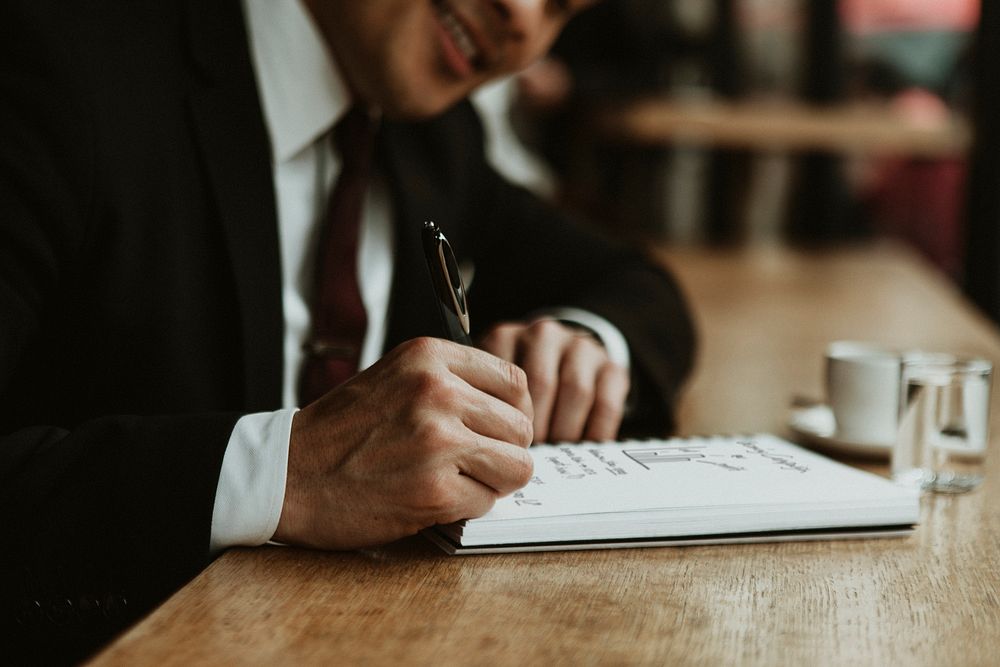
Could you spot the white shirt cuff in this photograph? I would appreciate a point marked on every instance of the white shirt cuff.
(609, 335)
(251, 487)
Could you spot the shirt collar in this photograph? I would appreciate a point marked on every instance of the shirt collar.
(301, 90)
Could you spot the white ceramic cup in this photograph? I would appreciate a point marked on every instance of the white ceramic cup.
(862, 388)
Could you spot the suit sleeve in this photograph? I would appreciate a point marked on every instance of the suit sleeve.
(104, 518)
(531, 257)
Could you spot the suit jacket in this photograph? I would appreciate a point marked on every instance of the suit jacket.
(140, 295)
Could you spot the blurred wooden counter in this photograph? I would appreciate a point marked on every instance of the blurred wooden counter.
(765, 316)
(782, 127)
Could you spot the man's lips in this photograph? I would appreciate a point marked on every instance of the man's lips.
(463, 45)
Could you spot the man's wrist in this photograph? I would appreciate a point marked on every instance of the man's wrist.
(606, 333)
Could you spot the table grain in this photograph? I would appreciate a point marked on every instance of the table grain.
(765, 316)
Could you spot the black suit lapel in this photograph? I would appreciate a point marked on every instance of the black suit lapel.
(234, 146)
(420, 189)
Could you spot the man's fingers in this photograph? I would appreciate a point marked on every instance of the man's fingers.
(477, 368)
(575, 391)
(540, 354)
(459, 497)
(485, 372)
(497, 464)
(609, 403)
(488, 416)
(577, 379)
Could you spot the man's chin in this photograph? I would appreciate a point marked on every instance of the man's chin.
(415, 110)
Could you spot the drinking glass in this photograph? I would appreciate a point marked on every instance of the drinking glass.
(943, 429)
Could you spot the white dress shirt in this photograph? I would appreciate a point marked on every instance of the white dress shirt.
(303, 96)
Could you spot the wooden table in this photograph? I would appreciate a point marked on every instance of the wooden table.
(765, 315)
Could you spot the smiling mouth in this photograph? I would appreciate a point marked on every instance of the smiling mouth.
(459, 34)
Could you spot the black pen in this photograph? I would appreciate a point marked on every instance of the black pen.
(448, 285)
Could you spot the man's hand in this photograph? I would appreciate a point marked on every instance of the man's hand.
(577, 392)
(432, 433)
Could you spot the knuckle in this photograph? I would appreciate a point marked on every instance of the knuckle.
(545, 327)
(423, 346)
(409, 347)
(545, 324)
(429, 384)
(522, 469)
(524, 431)
(575, 387)
(516, 376)
(583, 344)
(431, 436)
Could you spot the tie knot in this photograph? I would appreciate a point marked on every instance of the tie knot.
(353, 134)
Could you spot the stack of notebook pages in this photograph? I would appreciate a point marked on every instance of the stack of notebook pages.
(751, 488)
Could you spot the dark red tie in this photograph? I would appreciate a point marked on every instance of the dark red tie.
(333, 350)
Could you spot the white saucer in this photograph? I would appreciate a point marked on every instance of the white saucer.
(814, 427)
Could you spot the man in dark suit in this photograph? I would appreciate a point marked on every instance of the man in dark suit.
(163, 184)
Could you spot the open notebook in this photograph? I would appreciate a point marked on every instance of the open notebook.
(755, 488)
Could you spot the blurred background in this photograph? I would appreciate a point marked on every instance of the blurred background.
(806, 122)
